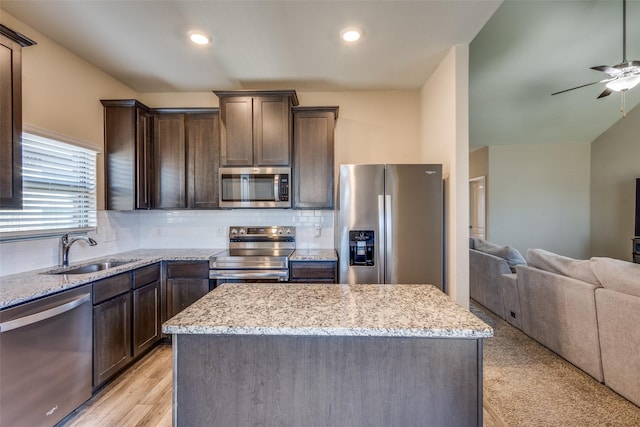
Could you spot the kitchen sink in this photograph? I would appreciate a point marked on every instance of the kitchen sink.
(90, 268)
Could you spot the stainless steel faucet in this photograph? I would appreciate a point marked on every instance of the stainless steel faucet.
(65, 245)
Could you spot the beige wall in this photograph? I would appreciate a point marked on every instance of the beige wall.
(61, 92)
(615, 165)
(539, 197)
(479, 163)
(445, 139)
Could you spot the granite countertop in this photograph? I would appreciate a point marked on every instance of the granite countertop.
(314, 255)
(23, 287)
(328, 310)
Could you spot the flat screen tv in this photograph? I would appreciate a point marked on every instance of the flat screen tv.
(637, 207)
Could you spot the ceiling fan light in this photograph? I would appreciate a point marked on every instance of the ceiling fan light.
(624, 83)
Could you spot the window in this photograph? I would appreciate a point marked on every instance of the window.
(59, 190)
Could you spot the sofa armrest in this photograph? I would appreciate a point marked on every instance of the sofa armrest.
(618, 320)
(511, 299)
(560, 313)
(485, 271)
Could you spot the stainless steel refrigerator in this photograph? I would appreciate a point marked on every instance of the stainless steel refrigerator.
(390, 224)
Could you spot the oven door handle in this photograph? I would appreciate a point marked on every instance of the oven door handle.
(248, 274)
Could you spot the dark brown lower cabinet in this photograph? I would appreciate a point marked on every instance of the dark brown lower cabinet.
(187, 281)
(126, 320)
(314, 271)
(111, 337)
(146, 317)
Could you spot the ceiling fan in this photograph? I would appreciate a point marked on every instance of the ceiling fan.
(623, 76)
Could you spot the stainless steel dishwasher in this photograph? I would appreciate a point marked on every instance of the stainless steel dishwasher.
(45, 358)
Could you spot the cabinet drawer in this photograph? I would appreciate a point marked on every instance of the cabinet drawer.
(110, 287)
(309, 270)
(144, 275)
(188, 269)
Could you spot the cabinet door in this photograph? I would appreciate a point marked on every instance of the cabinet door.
(272, 131)
(128, 155)
(146, 317)
(313, 141)
(181, 293)
(170, 161)
(236, 131)
(203, 146)
(111, 337)
(144, 159)
(10, 124)
(314, 271)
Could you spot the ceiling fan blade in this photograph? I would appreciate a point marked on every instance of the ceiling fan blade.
(577, 87)
(607, 69)
(605, 92)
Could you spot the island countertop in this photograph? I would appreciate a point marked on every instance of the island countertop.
(328, 310)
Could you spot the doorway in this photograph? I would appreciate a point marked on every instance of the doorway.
(477, 208)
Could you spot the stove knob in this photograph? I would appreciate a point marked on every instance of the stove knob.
(288, 231)
(280, 231)
(242, 231)
(234, 231)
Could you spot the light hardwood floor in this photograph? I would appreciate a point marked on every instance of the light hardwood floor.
(142, 397)
(139, 397)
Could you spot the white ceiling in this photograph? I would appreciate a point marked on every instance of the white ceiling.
(258, 44)
(527, 50)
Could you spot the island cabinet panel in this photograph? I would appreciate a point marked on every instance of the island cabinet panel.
(313, 146)
(323, 381)
(256, 127)
(11, 44)
(187, 281)
(128, 131)
(314, 271)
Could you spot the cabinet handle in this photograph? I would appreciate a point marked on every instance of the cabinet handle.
(43, 315)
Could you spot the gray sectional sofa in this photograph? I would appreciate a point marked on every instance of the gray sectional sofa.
(586, 311)
(491, 279)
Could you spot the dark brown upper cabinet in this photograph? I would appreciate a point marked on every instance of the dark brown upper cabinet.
(128, 133)
(11, 44)
(186, 150)
(256, 127)
(313, 166)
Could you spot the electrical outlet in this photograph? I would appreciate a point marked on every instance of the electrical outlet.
(109, 236)
(316, 230)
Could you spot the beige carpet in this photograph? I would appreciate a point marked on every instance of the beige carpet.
(525, 384)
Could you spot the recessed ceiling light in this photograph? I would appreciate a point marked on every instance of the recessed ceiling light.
(199, 38)
(351, 35)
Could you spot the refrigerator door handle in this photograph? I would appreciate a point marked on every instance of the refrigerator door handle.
(388, 231)
(380, 240)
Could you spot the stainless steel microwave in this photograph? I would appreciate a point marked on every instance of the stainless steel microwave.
(255, 187)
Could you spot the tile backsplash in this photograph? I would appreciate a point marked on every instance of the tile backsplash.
(155, 229)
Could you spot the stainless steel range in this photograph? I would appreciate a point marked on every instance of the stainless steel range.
(255, 254)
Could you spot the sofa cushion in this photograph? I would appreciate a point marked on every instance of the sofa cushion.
(617, 275)
(575, 268)
(508, 253)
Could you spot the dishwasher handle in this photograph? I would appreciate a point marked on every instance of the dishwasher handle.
(44, 315)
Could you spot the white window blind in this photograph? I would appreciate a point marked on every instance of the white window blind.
(59, 190)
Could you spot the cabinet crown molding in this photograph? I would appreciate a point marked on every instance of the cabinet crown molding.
(21, 39)
(284, 92)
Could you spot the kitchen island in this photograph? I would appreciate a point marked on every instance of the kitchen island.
(327, 355)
